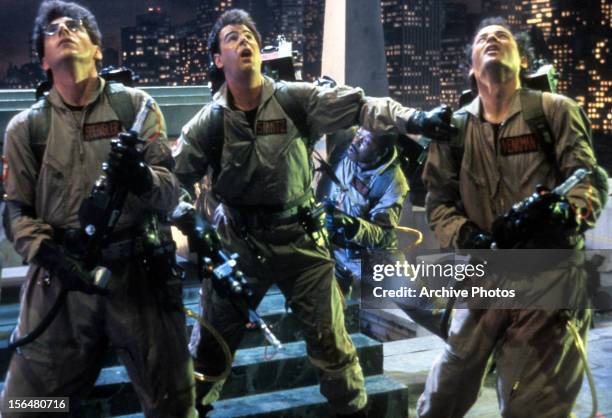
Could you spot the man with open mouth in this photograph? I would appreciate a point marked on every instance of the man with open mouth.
(257, 136)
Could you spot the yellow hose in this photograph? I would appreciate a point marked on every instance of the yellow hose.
(583, 355)
(224, 347)
(413, 231)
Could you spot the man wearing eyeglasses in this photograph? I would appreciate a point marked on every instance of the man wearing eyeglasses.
(50, 176)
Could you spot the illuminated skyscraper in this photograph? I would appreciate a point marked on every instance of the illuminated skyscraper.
(578, 37)
(287, 19)
(580, 41)
(511, 10)
(412, 47)
(193, 57)
(313, 38)
(151, 49)
(538, 13)
(193, 39)
(456, 34)
(211, 9)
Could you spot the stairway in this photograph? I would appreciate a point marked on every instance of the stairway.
(262, 383)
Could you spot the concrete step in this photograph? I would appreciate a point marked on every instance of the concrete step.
(177, 115)
(388, 324)
(168, 96)
(409, 362)
(254, 371)
(16, 104)
(17, 94)
(164, 91)
(272, 309)
(198, 100)
(387, 399)
(257, 371)
(286, 326)
(7, 95)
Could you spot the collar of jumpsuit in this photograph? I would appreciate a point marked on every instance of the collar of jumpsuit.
(474, 108)
(56, 100)
(222, 97)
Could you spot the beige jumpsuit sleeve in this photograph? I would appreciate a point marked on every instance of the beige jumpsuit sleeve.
(574, 150)
(193, 148)
(22, 181)
(443, 203)
(330, 110)
(20, 184)
(158, 156)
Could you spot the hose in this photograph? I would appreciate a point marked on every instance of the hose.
(413, 231)
(571, 327)
(43, 325)
(227, 353)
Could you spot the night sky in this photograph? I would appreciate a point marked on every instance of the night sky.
(17, 18)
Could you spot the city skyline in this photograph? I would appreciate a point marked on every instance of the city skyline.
(424, 42)
(17, 19)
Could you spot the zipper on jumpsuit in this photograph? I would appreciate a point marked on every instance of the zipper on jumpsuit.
(499, 207)
(243, 229)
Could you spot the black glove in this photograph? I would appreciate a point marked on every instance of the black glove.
(345, 278)
(126, 165)
(71, 272)
(339, 223)
(435, 124)
(544, 220)
(203, 239)
(474, 238)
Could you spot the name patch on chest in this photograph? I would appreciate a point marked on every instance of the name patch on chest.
(93, 131)
(271, 127)
(360, 186)
(521, 144)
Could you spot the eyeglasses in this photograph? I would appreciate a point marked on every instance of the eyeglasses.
(73, 25)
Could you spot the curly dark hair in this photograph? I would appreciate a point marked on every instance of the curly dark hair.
(230, 17)
(52, 9)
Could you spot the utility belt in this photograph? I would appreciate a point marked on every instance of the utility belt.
(266, 216)
(123, 245)
(303, 211)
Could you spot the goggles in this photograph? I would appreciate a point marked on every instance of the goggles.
(73, 25)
